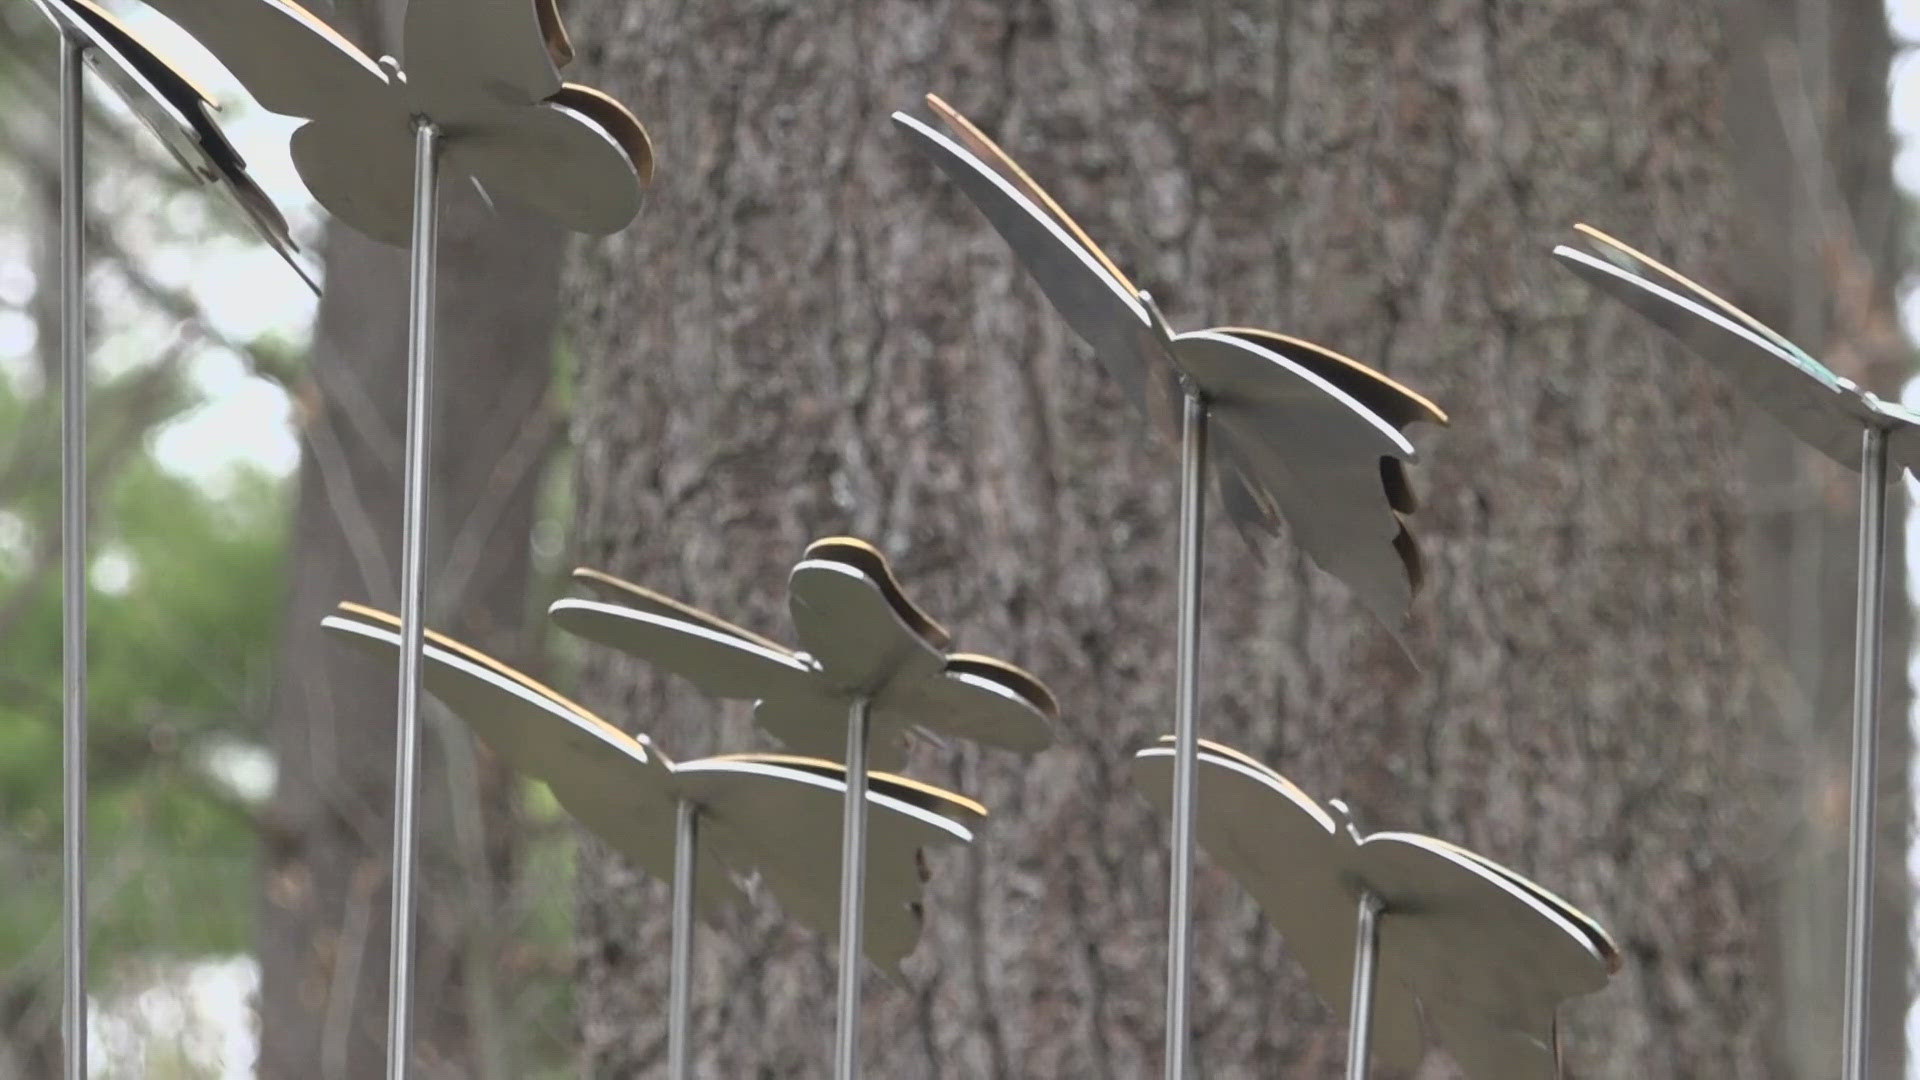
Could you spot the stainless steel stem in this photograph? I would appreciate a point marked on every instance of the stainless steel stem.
(1193, 490)
(73, 555)
(686, 846)
(1366, 962)
(853, 883)
(1866, 745)
(413, 543)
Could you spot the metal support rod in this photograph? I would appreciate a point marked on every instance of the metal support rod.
(1366, 962)
(686, 847)
(853, 883)
(73, 556)
(413, 543)
(1866, 744)
(1193, 490)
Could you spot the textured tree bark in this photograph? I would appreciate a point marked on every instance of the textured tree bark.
(324, 905)
(1813, 153)
(810, 332)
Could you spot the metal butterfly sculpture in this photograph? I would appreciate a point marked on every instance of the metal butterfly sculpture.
(1478, 954)
(1821, 408)
(1854, 427)
(768, 815)
(485, 71)
(863, 639)
(1301, 433)
(179, 113)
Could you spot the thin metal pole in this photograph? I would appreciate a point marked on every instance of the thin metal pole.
(1193, 490)
(853, 883)
(73, 555)
(1866, 743)
(413, 543)
(686, 845)
(1366, 962)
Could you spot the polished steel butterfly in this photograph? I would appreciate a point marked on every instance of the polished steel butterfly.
(1820, 407)
(1299, 432)
(1471, 951)
(863, 639)
(178, 112)
(486, 72)
(772, 816)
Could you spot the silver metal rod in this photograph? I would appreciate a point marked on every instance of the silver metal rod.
(686, 846)
(1193, 490)
(1366, 961)
(1866, 745)
(853, 884)
(73, 555)
(413, 543)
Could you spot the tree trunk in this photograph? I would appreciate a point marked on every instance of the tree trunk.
(810, 332)
(324, 921)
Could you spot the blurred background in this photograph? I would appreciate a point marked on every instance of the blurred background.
(1632, 658)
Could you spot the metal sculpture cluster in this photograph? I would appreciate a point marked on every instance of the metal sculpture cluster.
(1408, 934)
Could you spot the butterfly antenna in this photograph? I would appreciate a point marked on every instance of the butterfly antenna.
(485, 197)
(1345, 820)
(1154, 318)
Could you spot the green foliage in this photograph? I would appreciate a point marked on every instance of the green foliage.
(181, 617)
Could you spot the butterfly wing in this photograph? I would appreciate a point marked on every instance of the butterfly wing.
(289, 59)
(982, 700)
(555, 160)
(954, 807)
(1387, 398)
(1640, 264)
(1476, 938)
(783, 823)
(813, 722)
(1100, 307)
(1316, 453)
(721, 665)
(616, 590)
(1285, 851)
(361, 170)
(615, 785)
(851, 625)
(470, 60)
(179, 113)
(1813, 403)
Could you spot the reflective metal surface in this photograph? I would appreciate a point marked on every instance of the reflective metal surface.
(413, 557)
(1840, 420)
(1484, 953)
(483, 69)
(178, 113)
(776, 817)
(1366, 963)
(686, 846)
(1302, 433)
(1186, 703)
(73, 555)
(1819, 407)
(853, 879)
(861, 639)
(1869, 619)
